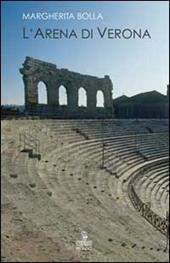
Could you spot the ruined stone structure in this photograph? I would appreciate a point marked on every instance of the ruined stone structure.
(34, 71)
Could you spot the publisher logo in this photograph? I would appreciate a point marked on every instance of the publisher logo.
(84, 244)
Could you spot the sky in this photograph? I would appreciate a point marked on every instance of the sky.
(134, 65)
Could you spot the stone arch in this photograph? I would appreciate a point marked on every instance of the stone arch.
(100, 99)
(42, 93)
(35, 70)
(82, 97)
(63, 96)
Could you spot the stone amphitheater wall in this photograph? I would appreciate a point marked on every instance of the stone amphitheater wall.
(35, 71)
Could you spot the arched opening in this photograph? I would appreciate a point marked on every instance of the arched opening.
(100, 99)
(82, 97)
(62, 95)
(42, 93)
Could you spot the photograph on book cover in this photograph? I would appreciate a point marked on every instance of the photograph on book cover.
(85, 131)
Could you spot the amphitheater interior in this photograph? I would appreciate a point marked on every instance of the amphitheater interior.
(62, 177)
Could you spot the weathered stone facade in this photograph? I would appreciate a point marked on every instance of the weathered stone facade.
(34, 71)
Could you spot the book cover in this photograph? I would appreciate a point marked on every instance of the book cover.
(85, 131)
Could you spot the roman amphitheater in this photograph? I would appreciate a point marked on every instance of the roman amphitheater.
(105, 177)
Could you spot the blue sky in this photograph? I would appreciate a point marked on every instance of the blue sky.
(134, 65)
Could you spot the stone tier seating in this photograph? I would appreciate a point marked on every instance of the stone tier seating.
(67, 191)
(147, 206)
(108, 128)
(153, 186)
